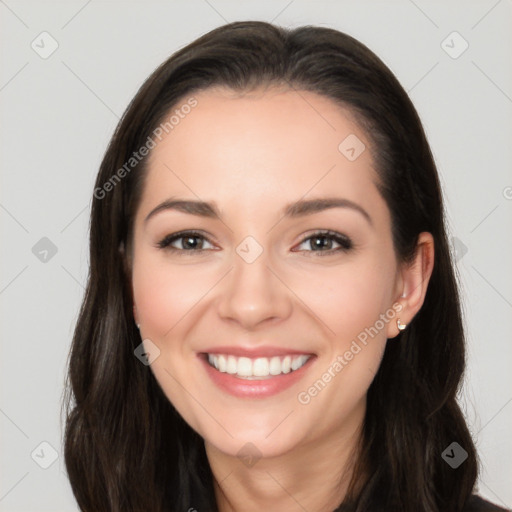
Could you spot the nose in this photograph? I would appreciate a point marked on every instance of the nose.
(252, 295)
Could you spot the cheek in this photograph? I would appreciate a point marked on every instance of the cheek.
(347, 298)
(164, 295)
(349, 303)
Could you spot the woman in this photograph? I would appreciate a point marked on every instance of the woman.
(271, 318)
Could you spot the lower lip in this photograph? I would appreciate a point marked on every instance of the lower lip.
(254, 388)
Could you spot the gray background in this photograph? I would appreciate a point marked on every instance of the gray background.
(59, 112)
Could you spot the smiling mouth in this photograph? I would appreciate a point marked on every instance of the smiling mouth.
(259, 368)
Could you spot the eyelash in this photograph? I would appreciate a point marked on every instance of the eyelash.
(344, 242)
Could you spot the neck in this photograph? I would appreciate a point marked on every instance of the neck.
(312, 476)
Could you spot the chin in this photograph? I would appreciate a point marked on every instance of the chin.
(252, 446)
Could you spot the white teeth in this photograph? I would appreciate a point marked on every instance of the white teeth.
(232, 365)
(222, 363)
(275, 366)
(260, 367)
(245, 367)
(299, 361)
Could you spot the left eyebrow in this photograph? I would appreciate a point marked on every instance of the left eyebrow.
(307, 207)
(297, 209)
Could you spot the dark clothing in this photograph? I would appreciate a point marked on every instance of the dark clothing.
(474, 504)
(478, 504)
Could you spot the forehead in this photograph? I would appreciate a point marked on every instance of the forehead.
(276, 142)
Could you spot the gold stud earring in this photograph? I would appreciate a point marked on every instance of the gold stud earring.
(400, 325)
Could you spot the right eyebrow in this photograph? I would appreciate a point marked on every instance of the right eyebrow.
(199, 208)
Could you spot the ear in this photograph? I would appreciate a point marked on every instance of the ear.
(414, 279)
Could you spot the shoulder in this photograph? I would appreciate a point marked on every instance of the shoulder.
(477, 504)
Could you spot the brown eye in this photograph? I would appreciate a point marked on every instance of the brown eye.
(325, 242)
(185, 241)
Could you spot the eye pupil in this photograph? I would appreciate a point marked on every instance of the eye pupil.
(320, 242)
(189, 245)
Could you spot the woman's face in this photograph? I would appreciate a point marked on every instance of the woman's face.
(258, 284)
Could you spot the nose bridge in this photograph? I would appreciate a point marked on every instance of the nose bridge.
(252, 294)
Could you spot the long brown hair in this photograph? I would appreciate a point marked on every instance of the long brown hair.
(126, 447)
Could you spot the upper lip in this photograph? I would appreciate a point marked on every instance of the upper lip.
(254, 352)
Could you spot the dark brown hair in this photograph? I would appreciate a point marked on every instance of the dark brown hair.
(126, 447)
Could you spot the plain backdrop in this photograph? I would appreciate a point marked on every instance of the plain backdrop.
(58, 111)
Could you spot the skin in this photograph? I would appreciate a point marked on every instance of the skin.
(252, 155)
